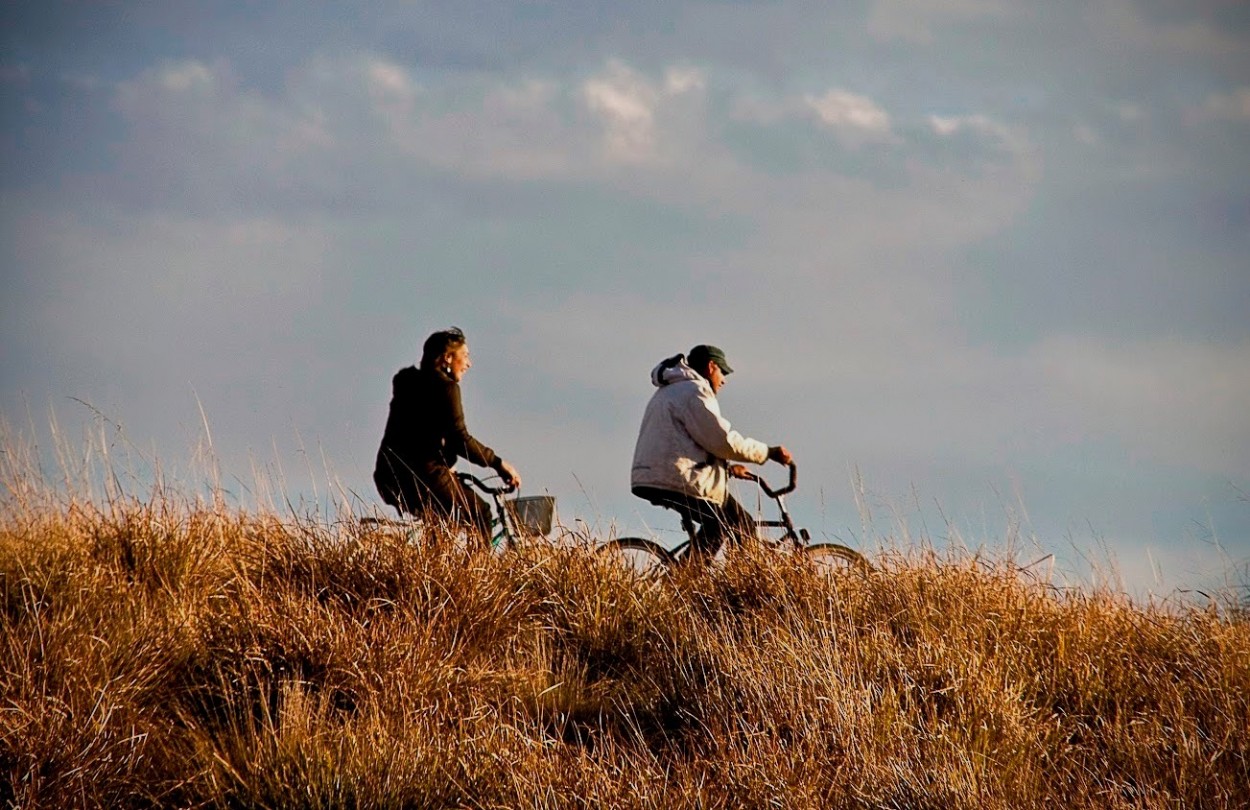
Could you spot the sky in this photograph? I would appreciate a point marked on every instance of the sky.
(983, 266)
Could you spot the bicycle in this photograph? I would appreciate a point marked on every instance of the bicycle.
(649, 558)
(516, 519)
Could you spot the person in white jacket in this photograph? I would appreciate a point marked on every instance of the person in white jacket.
(685, 447)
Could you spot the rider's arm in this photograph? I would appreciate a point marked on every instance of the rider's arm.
(465, 446)
(703, 421)
(459, 441)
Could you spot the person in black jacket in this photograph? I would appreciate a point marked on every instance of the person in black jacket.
(425, 434)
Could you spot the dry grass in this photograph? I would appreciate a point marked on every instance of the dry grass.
(158, 652)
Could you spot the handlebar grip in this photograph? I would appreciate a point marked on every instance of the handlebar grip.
(788, 488)
(469, 478)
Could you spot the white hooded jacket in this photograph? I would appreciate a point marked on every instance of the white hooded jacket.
(684, 443)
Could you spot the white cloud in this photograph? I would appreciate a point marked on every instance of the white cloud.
(185, 84)
(980, 124)
(185, 76)
(368, 110)
(855, 119)
(391, 89)
(993, 135)
(531, 126)
(679, 80)
(632, 110)
(195, 130)
(625, 102)
(484, 128)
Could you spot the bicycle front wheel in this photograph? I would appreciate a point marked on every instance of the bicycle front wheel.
(638, 555)
(832, 557)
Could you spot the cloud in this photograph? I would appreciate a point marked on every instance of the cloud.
(391, 89)
(197, 139)
(185, 77)
(628, 105)
(856, 119)
(355, 128)
(531, 126)
(982, 126)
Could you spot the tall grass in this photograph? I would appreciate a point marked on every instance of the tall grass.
(176, 652)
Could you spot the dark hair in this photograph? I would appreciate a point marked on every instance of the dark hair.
(439, 343)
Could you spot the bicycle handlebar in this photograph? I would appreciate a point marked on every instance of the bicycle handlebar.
(769, 491)
(469, 478)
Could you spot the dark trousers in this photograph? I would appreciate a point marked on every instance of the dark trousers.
(438, 493)
(715, 521)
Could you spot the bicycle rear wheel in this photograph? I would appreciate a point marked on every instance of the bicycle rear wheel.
(832, 557)
(638, 555)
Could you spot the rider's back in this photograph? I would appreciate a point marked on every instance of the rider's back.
(684, 442)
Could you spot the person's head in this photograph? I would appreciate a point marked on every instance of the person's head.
(710, 362)
(448, 351)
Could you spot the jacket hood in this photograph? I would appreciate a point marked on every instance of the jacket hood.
(405, 378)
(408, 379)
(671, 370)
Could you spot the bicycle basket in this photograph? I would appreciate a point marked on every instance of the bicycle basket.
(533, 514)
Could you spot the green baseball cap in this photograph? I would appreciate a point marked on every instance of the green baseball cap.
(701, 354)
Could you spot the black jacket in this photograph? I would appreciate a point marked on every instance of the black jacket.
(425, 431)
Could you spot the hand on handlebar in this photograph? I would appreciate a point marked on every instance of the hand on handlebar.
(509, 474)
(740, 471)
(781, 455)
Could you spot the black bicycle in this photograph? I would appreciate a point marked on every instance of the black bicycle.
(515, 519)
(647, 557)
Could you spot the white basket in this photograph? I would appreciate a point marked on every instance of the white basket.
(533, 514)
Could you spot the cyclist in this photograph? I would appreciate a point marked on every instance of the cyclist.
(685, 446)
(425, 434)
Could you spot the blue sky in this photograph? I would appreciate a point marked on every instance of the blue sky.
(989, 258)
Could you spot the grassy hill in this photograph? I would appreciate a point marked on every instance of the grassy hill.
(165, 653)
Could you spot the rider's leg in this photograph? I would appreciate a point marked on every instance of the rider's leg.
(721, 521)
(397, 487)
(477, 511)
(734, 521)
(710, 517)
(452, 500)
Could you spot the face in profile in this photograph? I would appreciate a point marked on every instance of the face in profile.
(457, 362)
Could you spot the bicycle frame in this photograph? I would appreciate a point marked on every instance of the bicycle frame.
(647, 557)
(793, 534)
(796, 535)
(507, 534)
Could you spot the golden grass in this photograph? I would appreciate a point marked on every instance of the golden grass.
(167, 653)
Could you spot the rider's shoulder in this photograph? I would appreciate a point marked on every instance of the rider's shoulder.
(684, 386)
(420, 382)
(406, 377)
